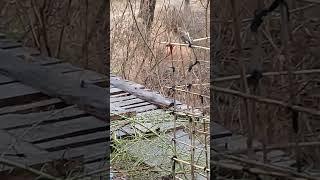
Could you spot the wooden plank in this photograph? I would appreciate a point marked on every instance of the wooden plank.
(7, 44)
(136, 105)
(6, 80)
(121, 98)
(103, 82)
(119, 95)
(18, 146)
(41, 158)
(91, 98)
(22, 51)
(15, 89)
(85, 75)
(46, 61)
(60, 130)
(63, 67)
(30, 107)
(12, 121)
(144, 108)
(16, 93)
(219, 131)
(129, 102)
(151, 97)
(115, 91)
(68, 142)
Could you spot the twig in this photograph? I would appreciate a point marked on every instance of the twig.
(187, 45)
(235, 77)
(267, 101)
(18, 165)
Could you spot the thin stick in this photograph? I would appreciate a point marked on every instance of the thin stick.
(267, 101)
(187, 45)
(35, 171)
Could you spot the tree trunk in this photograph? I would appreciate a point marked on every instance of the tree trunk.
(147, 8)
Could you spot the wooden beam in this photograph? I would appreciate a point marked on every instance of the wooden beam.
(90, 98)
(151, 97)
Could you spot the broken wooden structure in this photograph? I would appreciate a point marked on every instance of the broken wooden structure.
(52, 113)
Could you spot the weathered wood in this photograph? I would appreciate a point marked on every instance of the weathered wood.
(16, 93)
(137, 105)
(46, 61)
(121, 98)
(144, 108)
(115, 91)
(7, 44)
(59, 130)
(85, 75)
(23, 51)
(69, 141)
(40, 158)
(13, 121)
(30, 107)
(91, 98)
(63, 67)
(19, 147)
(151, 97)
(6, 80)
(129, 102)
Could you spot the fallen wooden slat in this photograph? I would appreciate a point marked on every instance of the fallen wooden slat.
(61, 129)
(35, 106)
(151, 97)
(11, 121)
(66, 142)
(91, 98)
(15, 93)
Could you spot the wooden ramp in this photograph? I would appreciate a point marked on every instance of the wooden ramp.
(40, 127)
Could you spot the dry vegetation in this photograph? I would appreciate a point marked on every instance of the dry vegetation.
(280, 109)
(138, 54)
(154, 55)
(73, 30)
